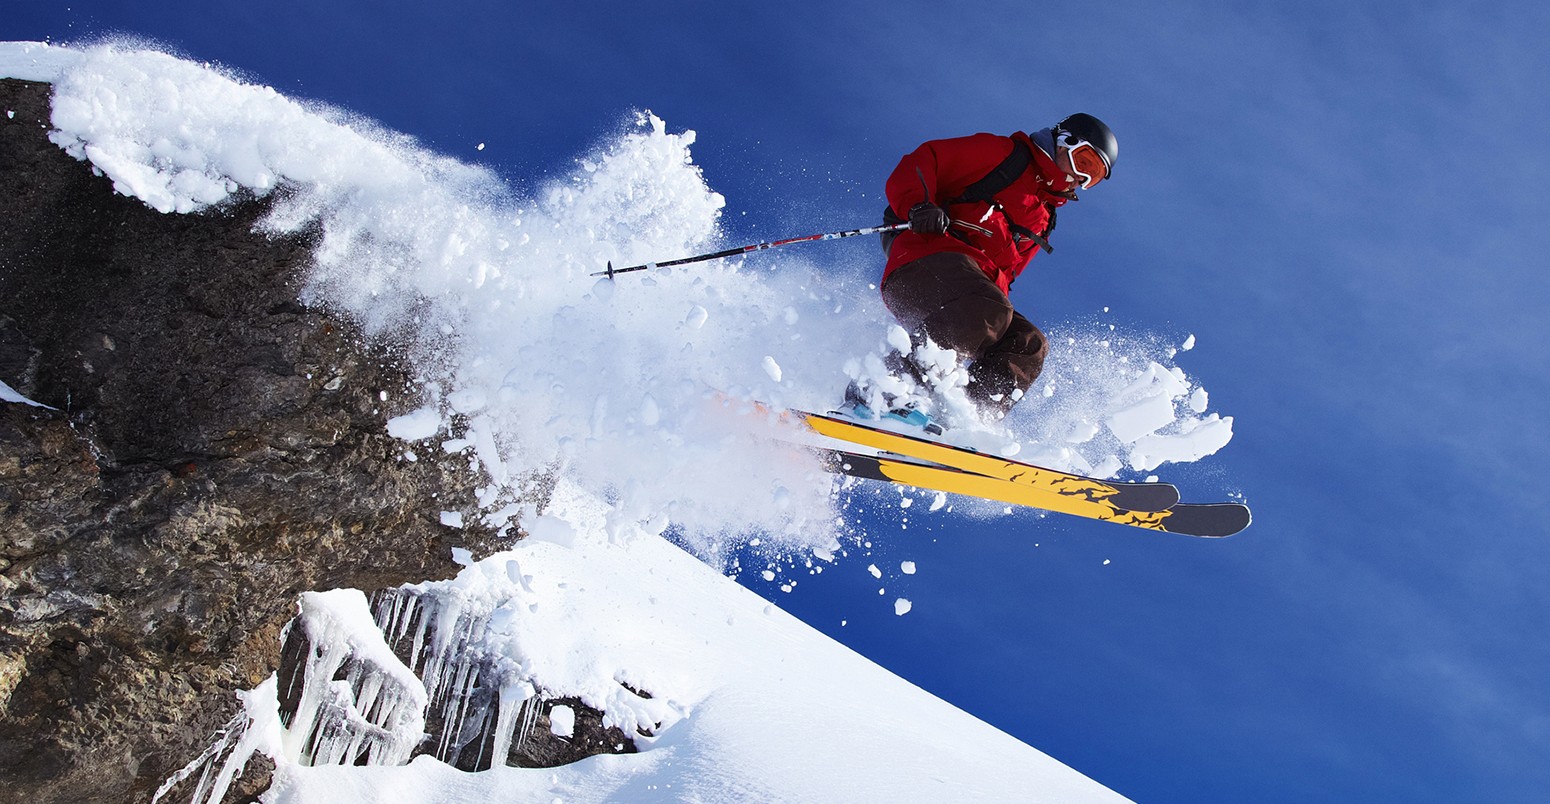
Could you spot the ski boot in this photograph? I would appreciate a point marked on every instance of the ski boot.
(856, 407)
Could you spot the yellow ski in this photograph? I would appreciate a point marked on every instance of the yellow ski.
(1207, 521)
(1131, 497)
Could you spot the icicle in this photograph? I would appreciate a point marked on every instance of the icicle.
(456, 708)
(323, 660)
(422, 624)
(530, 709)
(513, 697)
(226, 737)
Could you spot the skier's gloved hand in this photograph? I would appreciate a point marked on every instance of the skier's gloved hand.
(928, 219)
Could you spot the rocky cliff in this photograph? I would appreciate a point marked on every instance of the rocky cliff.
(214, 449)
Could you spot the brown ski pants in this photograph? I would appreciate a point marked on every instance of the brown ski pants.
(947, 297)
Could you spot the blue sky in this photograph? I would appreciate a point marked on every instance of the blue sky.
(1345, 204)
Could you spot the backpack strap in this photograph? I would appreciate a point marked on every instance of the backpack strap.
(1000, 178)
(1028, 234)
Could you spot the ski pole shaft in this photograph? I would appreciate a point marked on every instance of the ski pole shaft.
(733, 252)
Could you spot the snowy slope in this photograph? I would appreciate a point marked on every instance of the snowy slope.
(529, 364)
(754, 705)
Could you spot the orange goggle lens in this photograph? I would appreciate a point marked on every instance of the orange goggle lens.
(1088, 163)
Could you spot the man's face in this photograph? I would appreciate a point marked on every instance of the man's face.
(1085, 165)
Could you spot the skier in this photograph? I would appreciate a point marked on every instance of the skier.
(979, 208)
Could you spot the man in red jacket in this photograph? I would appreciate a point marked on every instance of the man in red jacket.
(979, 208)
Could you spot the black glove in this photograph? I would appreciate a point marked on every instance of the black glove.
(928, 219)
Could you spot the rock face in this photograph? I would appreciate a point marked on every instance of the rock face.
(214, 450)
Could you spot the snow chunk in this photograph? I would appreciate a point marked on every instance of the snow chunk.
(420, 424)
(907, 567)
(562, 721)
(468, 401)
(902, 607)
(1141, 418)
(1156, 388)
(771, 368)
(1197, 441)
(548, 529)
(452, 519)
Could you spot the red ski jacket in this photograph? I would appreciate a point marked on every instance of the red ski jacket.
(941, 170)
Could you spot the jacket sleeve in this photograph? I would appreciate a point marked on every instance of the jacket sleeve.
(941, 170)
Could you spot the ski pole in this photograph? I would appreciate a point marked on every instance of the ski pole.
(733, 252)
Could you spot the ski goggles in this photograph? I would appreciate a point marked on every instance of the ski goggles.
(1087, 162)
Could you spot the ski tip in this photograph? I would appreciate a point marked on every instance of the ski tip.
(1208, 521)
